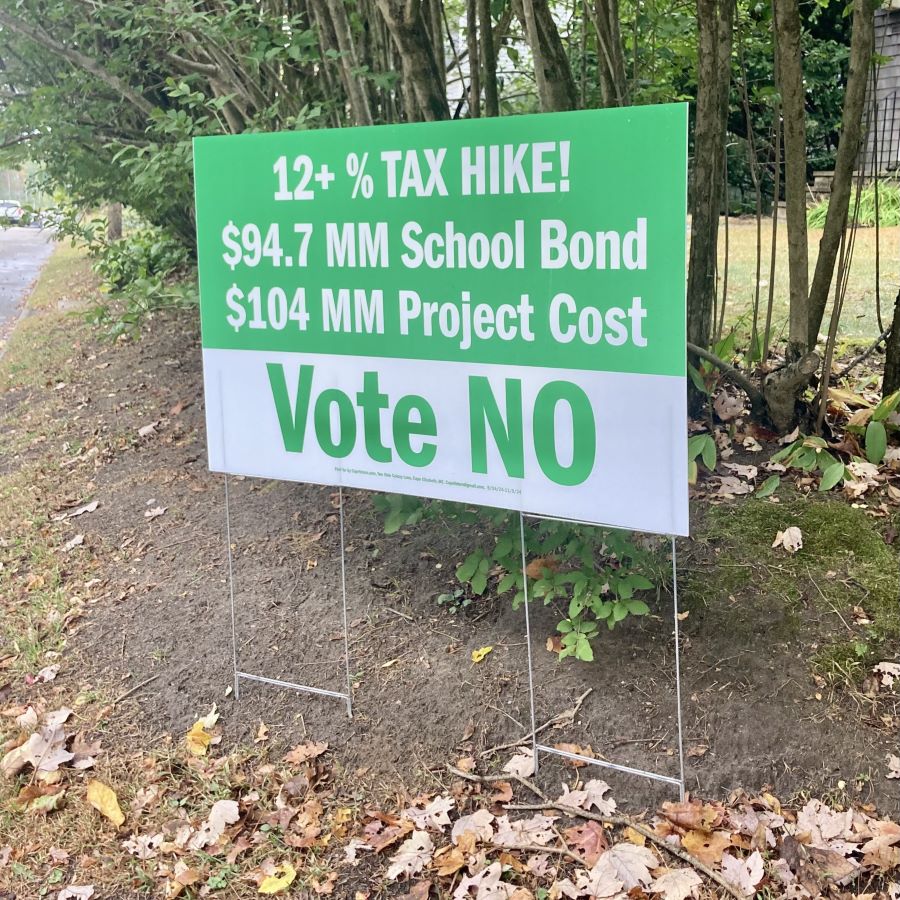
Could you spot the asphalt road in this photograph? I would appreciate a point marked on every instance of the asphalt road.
(23, 251)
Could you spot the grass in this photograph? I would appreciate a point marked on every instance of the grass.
(844, 563)
(858, 322)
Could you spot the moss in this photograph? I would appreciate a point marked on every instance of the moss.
(844, 562)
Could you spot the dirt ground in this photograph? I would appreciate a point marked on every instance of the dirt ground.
(758, 709)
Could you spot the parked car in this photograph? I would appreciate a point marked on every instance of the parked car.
(11, 213)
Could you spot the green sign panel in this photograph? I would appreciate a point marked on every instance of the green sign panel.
(489, 310)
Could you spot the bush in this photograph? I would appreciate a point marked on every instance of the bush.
(595, 572)
(888, 207)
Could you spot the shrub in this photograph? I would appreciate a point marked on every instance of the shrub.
(888, 206)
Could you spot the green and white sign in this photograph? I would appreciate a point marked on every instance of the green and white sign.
(490, 311)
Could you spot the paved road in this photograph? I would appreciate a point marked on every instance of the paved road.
(23, 252)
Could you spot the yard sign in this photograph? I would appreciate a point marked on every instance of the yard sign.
(490, 311)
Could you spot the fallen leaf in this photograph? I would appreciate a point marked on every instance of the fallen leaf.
(745, 875)
(791, 539)
(304, 752)
(40, 798)
(103, 798)
(679, 884)
(536, 832)
(590, 796)
(577, 750)
(480, 654)
(419, 891)
(478, 823)
(893, 764)
(76, 892)
(631, 864)
(588, 841)
(448, 861)
(147, 430)
(155, 512)
(198, 739)
(326, 886)
(414, 854)
(522, 764)
(76, 541)
(888, 671)
(48, 673)
(262, 733)
(80, 511)
(434, 815)
(222, 814)
(502, 792)
(281, 879)
(84, 754)
(535, 569)
(707, 846)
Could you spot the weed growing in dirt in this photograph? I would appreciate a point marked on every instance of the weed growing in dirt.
(596, 573)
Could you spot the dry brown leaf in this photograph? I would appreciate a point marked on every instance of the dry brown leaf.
(304, 752)
(707, 846)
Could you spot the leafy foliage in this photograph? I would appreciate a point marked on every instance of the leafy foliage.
(888, 207)
(593, 575)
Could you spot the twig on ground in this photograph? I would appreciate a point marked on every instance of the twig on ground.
(748, 387)
(619, 821)
(559, 717)
(135, 689)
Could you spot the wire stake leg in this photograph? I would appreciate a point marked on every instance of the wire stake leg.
(534, 742)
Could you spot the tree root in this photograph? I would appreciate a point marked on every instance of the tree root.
(618, 821)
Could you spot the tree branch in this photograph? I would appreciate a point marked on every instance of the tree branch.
(39, 36)
(754, 393)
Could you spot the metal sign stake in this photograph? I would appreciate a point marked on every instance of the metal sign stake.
(537, 748)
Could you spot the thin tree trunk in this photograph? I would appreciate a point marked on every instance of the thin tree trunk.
(610, 55)
(892, 354)
(114, 222)
(488, 58)
(715, 19)
(472, 46)
(423, 91)
(552, 73)
(862, 45)
(359, 101)
(793, 99)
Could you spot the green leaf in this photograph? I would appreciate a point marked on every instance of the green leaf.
(583, 650)
(769, 486)
(695, 445)
(886, 407)
(697, 380)
(564, 627)
(637, 607)
(831, 476)
(876, 442)
(506, 582)
(709, 453)
(468, 566)
(692, 471)
(478, 583)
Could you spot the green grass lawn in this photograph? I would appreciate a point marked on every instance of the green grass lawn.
(858, 321)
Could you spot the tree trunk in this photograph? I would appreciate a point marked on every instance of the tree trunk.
(552, 73)
(793, 100)
(424, 95)
(862, 45)
(715, 20)
(610, 55)
(472, 46)
(114, 222)
(488, 59)
(892, 354)
(359, 101)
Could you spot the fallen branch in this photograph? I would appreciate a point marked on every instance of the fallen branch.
(757, 400)
(135, 689)
(618, 821)
(559, 718)
(864, 355)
